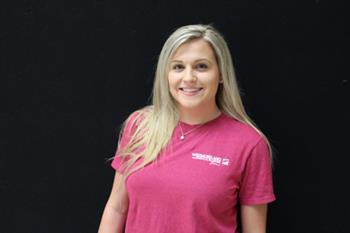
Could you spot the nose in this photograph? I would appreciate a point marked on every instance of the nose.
(189, 75)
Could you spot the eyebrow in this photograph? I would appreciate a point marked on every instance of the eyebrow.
(197, 60)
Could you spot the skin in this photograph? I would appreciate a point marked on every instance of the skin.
(115, 212)
(193, 81)
(253, 218)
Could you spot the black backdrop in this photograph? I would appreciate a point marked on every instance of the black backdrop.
(71, 71)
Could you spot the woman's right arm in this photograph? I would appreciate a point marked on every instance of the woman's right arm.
(116, 209)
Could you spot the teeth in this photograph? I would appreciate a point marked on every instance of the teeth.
(190, 89)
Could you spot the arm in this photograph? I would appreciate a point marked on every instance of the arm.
(116, 209)
(253, 218)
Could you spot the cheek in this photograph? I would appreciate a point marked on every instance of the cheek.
(213, 86)
(211, 81)
(172, 81)
(172, 85)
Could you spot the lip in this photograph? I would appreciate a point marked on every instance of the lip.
(190, 91)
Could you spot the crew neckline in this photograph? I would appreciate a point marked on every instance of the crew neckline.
(184, 124)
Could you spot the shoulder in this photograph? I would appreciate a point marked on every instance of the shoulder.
(238, 131)
(247, 141)
(136, 117)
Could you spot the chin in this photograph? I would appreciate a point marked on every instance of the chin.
(189, 106)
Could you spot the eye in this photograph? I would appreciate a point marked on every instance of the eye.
(201, 66)
(177, 67)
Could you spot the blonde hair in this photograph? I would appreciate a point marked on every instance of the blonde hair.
(154, 124)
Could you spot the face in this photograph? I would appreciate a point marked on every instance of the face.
(194, 76)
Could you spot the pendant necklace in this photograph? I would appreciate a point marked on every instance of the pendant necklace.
(183, 134)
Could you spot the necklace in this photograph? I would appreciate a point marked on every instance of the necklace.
(183, 134)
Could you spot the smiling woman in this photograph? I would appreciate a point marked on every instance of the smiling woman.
(185, 163)
(193, 81)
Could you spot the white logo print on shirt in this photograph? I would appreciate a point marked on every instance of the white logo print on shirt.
(213, 160)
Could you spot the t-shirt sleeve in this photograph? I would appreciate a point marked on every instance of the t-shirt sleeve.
(127, 132)
(256, 184)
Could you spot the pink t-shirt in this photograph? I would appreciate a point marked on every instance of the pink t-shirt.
(196, 184)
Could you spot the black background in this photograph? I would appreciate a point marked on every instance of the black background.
(71, 71)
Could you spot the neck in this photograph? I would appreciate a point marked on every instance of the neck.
(197, 116)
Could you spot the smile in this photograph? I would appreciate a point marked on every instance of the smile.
(190, 91)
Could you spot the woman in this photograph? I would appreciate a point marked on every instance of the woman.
(193, 159)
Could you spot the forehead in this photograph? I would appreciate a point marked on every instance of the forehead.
(195, 49)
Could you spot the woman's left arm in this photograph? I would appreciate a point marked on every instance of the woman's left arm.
(253, 218)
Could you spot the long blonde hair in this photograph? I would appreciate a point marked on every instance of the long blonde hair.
(155, 123)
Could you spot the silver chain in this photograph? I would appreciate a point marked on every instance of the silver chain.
(182, 137)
